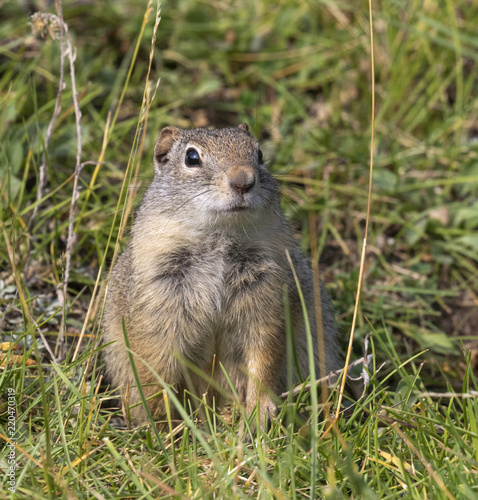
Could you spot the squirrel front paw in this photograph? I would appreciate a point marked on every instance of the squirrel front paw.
(267, 410)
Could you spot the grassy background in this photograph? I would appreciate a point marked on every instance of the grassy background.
(299, 74)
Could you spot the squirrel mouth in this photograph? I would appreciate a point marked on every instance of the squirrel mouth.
(237, 208)
(238, 205)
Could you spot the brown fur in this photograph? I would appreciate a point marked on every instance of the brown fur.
(203, 277)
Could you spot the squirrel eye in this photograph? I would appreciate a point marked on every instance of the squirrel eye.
(192, 158)
(259, 155)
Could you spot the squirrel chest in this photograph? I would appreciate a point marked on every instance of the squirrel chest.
(210, 295)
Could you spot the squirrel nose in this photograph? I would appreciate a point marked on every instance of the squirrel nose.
(241, 178)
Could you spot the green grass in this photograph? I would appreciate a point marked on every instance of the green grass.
(299, 74)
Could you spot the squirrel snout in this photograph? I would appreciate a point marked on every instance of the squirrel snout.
(241, 178)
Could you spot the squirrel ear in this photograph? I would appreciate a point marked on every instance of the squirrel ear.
(244, 126)
(164, 143)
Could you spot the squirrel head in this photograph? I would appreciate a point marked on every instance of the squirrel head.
(212, 172)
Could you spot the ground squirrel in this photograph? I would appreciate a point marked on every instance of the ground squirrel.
(202, 279)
